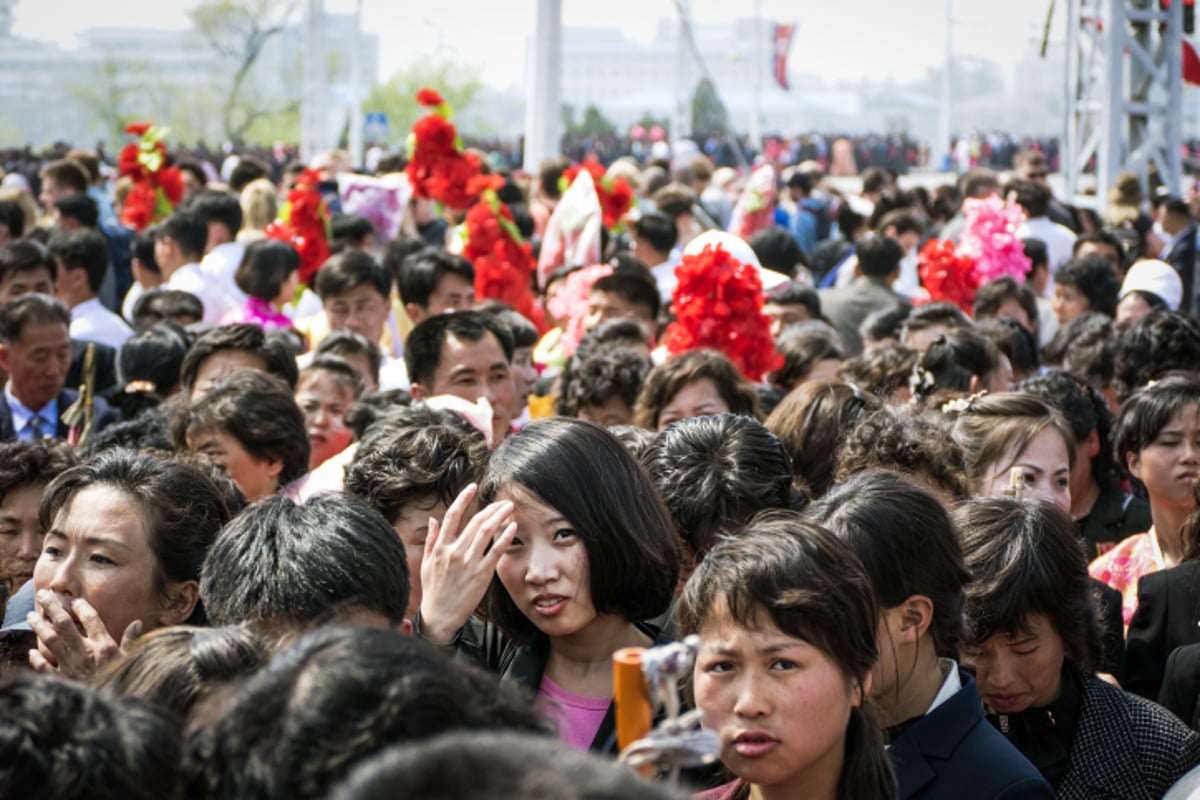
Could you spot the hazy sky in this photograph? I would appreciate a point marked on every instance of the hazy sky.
(839, 40)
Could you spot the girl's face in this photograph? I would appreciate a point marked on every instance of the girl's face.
(780, 705)
(1170, 465)
(1046, 465)
(700, 398)
(287, 290)
(97, 550)
(324, 400)
(256, 477)
(545, 570)
(1019, 670)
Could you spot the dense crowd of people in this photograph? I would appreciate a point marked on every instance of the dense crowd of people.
(335, 511)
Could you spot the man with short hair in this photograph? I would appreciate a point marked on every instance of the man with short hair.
(653, 240)
(82, 258)
(179, 245)
(435, 282)
(1034, 200)
(222, 214)
(74, 212)
(61, 178)
(847, 306)
(1031, 165)
(27, 267)
(623, 297)
(35, 352)
(468, 355)
(1179, 247)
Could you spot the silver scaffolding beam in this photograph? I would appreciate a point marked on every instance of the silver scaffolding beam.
(1124, 92)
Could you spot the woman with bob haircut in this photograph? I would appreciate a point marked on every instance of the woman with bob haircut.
(582, 552)
(269, 275)
(1032, 639)
(249, 423)
(694, 384)
(1157, 439)
(786, 618)
(940, 745)
(126, 535)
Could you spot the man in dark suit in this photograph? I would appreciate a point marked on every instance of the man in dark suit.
(1180, 251)
(35, 351)
(847, 306)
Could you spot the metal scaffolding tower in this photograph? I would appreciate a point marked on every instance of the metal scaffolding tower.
(1124, 92)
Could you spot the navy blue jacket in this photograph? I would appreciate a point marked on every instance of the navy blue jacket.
(952, 752)
(103, 415)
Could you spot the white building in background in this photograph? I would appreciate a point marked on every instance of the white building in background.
(625, 79)
(49, 93)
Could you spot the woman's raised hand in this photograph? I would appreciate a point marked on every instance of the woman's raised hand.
(459, 562)
(72, 639)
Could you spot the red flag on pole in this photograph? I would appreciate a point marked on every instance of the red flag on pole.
(782, 39)
(1191, 62)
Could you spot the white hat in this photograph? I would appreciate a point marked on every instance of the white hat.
(1154, 277)
(739, 249)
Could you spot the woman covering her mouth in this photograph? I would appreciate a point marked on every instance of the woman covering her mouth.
(786, 617)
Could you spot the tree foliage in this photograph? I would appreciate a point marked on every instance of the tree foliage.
(594, 122)
(238, 30)
(458, 83)
(709, 114)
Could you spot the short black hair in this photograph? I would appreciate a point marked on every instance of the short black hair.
(878, 256)
(32, 464)
(657, 230)
(423, 348)
(593, 380)
(247, 169)
(13, 218)
(61, 739)
(421, 272)
(278, 564)
(802, 345)
(1084, 409)
(83, 249)
(246, 337)
(265, 267)
(28, 309)
(524, 332)
(633, 289)
(993, 294)
(346, 343)
(715, 473)
(142, 249)
(163, 305)
(341, 694)
(398, 249)
(778, 250)
(1160, 342)
(796, 294)
(1036, 252)
(1033, 197)
(1092, 275)
(154, 355)
(25, 255)
(586, 475)
(80, 207)
(1146, 412)
(189, 232)
(259, 411)
(351, 229)
(482, 765)
(348, 270)
(1026, 558)
(953, 358)
(424, 464)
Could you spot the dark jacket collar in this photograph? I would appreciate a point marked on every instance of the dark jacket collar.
(935, 737)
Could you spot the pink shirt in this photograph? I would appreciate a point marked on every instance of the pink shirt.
(1124, 565)
(578, 717)
(259, 312)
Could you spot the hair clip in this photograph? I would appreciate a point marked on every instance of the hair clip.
(858, 393)
(920, 381)
(961, 405)
(141, 387)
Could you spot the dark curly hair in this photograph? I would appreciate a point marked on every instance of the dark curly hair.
(597, 378)
(911, 443)
(1158, 343)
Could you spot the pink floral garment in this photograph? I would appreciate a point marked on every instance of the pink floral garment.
(1124, 565)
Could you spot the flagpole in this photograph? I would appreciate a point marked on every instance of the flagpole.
(759, 59)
